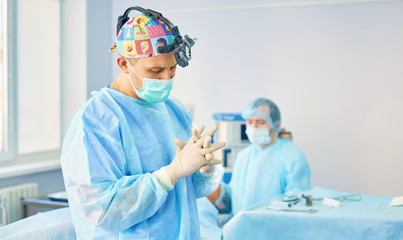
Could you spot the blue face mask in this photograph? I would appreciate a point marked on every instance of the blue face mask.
(153, 90)
(258, 136)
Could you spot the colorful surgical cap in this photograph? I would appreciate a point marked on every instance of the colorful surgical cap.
(140, 37)
(264, 108)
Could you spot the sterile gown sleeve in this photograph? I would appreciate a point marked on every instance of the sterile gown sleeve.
(298, 175)
(206, 185)
(208, 217)
(94, 164)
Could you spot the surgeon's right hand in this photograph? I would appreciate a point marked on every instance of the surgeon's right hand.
(188, 159)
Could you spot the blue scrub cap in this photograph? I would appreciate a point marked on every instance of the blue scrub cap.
(264, 108)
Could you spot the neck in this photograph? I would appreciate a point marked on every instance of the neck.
(274, 139)
(123, 85)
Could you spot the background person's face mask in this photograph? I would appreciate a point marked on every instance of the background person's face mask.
(259, 136)
(153, 90)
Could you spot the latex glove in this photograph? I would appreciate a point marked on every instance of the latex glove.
(223, 203)
(188, 159)
(209, 168)
(196, 135)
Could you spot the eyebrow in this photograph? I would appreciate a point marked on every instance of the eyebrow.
(163, 67)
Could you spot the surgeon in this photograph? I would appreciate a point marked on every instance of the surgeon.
(132, 164)
(270, 166)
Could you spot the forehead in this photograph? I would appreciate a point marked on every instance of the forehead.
(255, 118)
(162, 61)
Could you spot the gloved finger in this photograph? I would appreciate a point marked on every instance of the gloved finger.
(213, 161)
(213, 148)
(195, 135)
(179, 143)
(210, 133)
(207, 142)
(177, 149)
(209, 156)
(219, 205)
(207, 169)
(204, 168)
(200, 129)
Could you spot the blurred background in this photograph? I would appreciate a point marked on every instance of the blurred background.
(334, 68)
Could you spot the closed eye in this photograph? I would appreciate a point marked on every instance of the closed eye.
(156, 70)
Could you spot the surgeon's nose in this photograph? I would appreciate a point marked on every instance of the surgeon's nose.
(253, 124)
(168, 74)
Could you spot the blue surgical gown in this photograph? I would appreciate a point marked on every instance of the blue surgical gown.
(208, 213)
(113, 145)
(259, 174)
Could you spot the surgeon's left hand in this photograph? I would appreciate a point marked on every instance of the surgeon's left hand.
(209, 168)
(189, 158)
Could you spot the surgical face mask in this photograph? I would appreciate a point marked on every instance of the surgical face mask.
(259, 136)
(153, 90)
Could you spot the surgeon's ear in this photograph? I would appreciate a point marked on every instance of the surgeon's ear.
(122, 63)
(278, 123)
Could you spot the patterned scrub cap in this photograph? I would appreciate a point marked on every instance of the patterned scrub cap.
(140, 37)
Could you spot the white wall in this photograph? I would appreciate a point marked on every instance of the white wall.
(73, 58)
(86, 30)
(99, 31)
(335, 71)
(38, 75)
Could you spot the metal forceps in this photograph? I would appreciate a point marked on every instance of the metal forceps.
(344, 197)
(310, 210)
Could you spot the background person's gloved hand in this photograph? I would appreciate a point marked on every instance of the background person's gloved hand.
(188, 159)
(224, 203)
